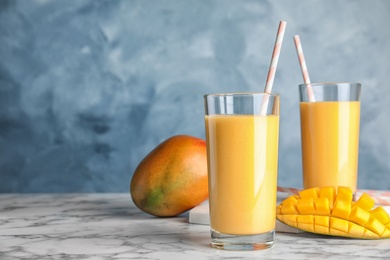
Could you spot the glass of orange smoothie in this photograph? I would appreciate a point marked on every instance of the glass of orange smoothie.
(242, 131)
(330, 134)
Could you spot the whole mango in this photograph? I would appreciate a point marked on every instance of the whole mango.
(172, 178)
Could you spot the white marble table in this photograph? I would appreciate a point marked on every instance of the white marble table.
(109, 226)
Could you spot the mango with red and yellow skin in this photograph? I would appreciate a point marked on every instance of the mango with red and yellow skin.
(172, 178)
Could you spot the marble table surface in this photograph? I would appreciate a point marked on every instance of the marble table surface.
(109, 226)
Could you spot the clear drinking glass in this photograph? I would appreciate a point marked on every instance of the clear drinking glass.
(330, 134)
(242, 132)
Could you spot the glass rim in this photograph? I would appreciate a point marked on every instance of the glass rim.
(242, 94)
(330, 83)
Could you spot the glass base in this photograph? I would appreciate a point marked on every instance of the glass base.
(242, 242)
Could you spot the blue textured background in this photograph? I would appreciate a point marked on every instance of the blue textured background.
(88, 88)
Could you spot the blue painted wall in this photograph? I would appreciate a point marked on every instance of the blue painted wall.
(88, 88)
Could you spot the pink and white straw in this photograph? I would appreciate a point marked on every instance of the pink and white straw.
(272, 68)
(275, 57)
(305, 73)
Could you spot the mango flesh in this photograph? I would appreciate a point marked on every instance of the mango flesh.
(331, 211)
(172, 178)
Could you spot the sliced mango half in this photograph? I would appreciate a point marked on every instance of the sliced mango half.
(332, 211)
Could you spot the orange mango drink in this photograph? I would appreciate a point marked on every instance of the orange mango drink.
(243, 163)
(330, 140)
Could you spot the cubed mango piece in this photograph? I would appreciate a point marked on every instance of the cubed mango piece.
(380, 214)
(305, 226)
(321, 229)
(365, 202)
(293, 199)
(307, 219)
(328, 192)
(309, 193)
(370, 235)
(289, 218)
(359, 216)
(344, 194)
(336, 232)
(339, 224)
(289, 208)
(306, 206)
(291, 224)
(342, 209)
(386, 233)
(375, 226)
(322, 206)
(321, 221)
(356, 230)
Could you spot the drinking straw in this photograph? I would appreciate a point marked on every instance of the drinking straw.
(275, 57)
(274, 62)
(305, 73)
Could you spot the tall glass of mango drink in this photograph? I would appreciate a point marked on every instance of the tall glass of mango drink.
(242, 131)
(330, 119)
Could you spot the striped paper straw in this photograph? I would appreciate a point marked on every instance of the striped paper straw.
(303, 66)
(275, 57)
(274, 63)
